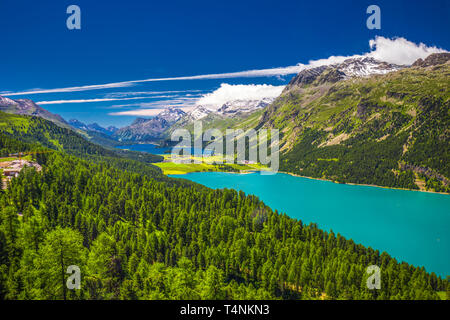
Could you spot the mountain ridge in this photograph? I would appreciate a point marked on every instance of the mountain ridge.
(149, 129)
(349, 68)
(29, 107)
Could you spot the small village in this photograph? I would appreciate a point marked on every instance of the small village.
(11, 167)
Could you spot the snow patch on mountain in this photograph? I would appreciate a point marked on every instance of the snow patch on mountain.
(364, 67)
(349, 68)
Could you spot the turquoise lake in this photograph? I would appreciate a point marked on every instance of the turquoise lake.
(150, 148)
(411, 226)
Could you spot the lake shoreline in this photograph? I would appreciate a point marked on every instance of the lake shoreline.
(361, 184)
(297, 175)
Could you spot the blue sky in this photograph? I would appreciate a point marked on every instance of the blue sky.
(122, 41)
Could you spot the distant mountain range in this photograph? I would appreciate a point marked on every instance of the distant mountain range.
(229, 109)
(95, 127)
(163, 124)
(149, 129)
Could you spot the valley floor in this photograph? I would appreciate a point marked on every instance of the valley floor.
(206, 164)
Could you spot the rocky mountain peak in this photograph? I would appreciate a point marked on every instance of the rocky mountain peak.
(432, 60)
(28, 107)
(234, 107)
(352, 67)
(6, 101)
(171, 114)
(138, 121)
(149, 129)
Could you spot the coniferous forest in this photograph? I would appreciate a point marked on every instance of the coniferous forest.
(136, 234)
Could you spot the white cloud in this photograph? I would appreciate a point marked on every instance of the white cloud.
(228, 92)
(88, 100)
(396, 50)
(400, 50)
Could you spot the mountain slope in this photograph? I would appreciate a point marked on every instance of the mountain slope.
(28, 107)
(92, 132)
(389, 130)
(95, 133)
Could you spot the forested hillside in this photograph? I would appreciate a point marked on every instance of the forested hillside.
(137, 237)
(49, 135)
(388, 130)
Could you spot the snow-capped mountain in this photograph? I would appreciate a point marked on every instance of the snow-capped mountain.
(4, 102)
(228, 109)
(149, 129)
(171, 114)
(234, 107)
(199, 112)
(77, 124)
(353, 67)
(364, 67)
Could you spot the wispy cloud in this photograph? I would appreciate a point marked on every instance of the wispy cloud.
(89, 100)
(145, 112)
(396, 50)
(74, 89)
(241, 74)
(141, 93)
